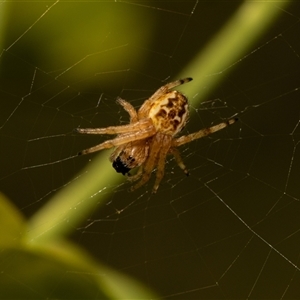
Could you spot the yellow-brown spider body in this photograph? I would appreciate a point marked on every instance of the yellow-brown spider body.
(170, 113)
(145, 142)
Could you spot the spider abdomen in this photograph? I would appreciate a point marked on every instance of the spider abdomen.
(170, 112)
(131, 156)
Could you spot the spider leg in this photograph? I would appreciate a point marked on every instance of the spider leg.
(159, 148)
(121, 139)
(166, 143)
(135, 127)
(202, 133)
(116, 152)
(129, 108)
(161, 91)
(136, 176)
(165, 88)
(179, 160)
(146, 171)
(148, 166)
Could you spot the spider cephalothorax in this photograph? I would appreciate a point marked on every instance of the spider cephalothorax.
(149, 137)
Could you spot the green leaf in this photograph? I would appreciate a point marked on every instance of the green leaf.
(12, 224)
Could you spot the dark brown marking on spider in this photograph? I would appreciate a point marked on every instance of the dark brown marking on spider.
(120, 166)
(162, 113)
(172, 113)
(181, 112)
(185, 80)
(170, 102)
(175, 123)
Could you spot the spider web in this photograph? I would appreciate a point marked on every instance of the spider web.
(229, 230)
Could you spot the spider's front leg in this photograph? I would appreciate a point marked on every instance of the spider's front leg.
(165, 88)
(160, 92)
(132, 132)
(134, 127)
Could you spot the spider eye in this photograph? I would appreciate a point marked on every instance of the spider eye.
(120, 166)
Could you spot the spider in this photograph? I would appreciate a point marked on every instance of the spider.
(150, 135)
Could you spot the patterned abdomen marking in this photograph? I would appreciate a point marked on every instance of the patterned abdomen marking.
(170, 113)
